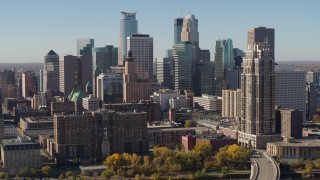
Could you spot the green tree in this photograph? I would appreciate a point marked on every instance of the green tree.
(24, 171)
(107, 174)
(69, 173)
(190, 123)
(62, 176)
(224, 171)
(46, 170)
(2, 175)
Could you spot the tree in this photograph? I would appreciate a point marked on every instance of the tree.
(2, 175)
(224, 171)
(114, 161)
(69, 173)
(24, 171)
(309, 168)
(203, 149)
(190, 123)
(62, 176)
(34, 172)
(107, 174)
(46, 170)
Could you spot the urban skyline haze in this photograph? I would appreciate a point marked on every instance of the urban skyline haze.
(30, 29)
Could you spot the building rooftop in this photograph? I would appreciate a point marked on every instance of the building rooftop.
(306, 142)
(17, 141)
(179, 129)
(51, 52)
(37, 119)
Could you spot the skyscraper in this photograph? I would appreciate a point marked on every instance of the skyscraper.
(290, 90)
(183, 65)
(258, 98)
(75, 72)
(190, 30)
(128, 26)
(163, 72)
(141, 46)
(29, 84)
(51, 74)
(84, 46)
(134, 89)
(205, 55)
(262, 34)
(204, 78)
(110, 88)
(224, 59)
(190, 33)
(177, 30)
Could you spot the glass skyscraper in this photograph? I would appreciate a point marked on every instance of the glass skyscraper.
(51, 74)
(84, 46)
(128, 26)
(183, 65)
(177, 30)
(104, 58)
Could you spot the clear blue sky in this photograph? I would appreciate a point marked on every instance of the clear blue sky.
(30, 28)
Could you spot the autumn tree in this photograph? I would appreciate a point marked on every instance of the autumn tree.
(46, 170)
(190, 123)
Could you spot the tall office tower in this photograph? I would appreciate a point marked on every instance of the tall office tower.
(233, 78)
(204, 78)
(313, 77)
(190, 33)
(84, 46)
(124, 132)
(177, 30)
(75, 72)
(51, 74)
(231, 104)
(40, 85)
(77, 136)
(103, 59)
(224, 59)
(110, 87)
(190, 30)
(290, 90)
(163, 72)
(291, 123)
(134, 89)
(238, 55)
(7, 84)
(258, 98)
(183, 65)
(205, 55)
(29, 84)
(141, 46)
(128, 26)
(262, 34)
(311, 100)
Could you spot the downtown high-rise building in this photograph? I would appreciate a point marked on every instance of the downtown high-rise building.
(190, 33)
(110, 87)
(51, 74)
(262, 34)
(29, 84)
(177, 30)
(134, 89)
(141, 46)
(84, 46)
(224, 59)
(104, 57)
(128, 26)
(183, 66)
(75, 73)
(163, 72)
(204, 78)
(290, 90)
(257, 124)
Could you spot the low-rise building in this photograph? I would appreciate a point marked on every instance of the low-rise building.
(62, 105)
(229, 132)
(306, 149)
(36, 123)
(209, 103)
(20, 152)
(216, 141)
(172, 136)
(163, 96)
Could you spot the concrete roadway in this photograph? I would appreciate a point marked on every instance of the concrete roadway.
(267, 171)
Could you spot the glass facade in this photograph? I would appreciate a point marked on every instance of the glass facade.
(104, 58)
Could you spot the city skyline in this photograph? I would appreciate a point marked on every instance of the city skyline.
(35, 27)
